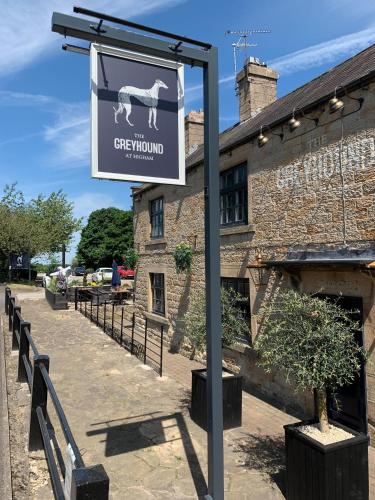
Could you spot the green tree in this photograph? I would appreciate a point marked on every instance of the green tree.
(38, 226)
(108, 234)
(311, 340)
(233, 324)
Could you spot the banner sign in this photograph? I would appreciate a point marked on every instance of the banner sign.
(19, 261)
(137, 117)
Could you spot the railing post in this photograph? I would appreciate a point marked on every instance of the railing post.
(122, 323)
(113, 317)
(6, 302)
(97, 310)
(161, 350)
(39, 395)
(91, 309)
(90, 482)
(24, 350)
(105, 315)
(145, 346)
(85, 308)
(76, 298)
(132, 344)
(10, 312)
(15, 327)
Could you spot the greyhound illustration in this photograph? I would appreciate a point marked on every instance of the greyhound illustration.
(148, 97)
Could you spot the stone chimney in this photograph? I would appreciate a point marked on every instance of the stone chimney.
(194, 131)
(256, 87)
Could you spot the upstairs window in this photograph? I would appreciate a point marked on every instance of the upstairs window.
(157, 293)
(233, 196)
(157, 218)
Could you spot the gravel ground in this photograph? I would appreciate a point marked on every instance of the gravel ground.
(30, 476)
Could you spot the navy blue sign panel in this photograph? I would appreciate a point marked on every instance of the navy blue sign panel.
(19, 261)
(137, 117)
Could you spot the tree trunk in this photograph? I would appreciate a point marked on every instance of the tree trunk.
(322, 410)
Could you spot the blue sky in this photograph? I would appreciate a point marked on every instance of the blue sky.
(44, 92)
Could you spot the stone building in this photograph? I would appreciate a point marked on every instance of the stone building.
(297, 210)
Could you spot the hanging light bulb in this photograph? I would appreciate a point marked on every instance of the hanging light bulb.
(293, 123)
(262, 139)
(335, 104)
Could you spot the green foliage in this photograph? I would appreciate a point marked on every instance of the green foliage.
(183, 256)
(74, 262)
(233, 324)
(311, 340)
(108, 234)
(46, 268)
(131, 258)
(39, 226)
(52, 286)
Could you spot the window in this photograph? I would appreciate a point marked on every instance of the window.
(157, 292)
(233, 196)
(156, 217)
(241, 286)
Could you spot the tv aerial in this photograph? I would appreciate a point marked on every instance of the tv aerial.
(243, 44)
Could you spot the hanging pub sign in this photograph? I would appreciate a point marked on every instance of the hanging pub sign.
(19, 261)
(137, 117)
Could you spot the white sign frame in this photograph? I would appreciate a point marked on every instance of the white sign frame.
(95, 49)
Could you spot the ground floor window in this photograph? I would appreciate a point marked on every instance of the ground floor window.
(241, 286)
(157, 293)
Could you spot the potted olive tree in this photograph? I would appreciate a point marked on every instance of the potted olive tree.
(312, 342)
(234, 326)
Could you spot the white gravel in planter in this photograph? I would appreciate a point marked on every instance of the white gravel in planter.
(334, 435)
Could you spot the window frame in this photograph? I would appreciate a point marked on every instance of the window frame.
(239, 191)
(161, 289)
(247, 312)
(154, 216)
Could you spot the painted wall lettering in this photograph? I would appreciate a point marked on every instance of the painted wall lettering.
(321, 165)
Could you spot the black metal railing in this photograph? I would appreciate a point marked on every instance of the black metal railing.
(86, 482)
(101, 309)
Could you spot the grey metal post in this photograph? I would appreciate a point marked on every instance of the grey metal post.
(212, 272)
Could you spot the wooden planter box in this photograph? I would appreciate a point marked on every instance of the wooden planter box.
(232, 399)
(56, 300)
(316, 471)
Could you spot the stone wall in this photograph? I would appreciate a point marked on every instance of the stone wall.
(315, 190)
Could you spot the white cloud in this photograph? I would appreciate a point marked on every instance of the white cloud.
(26, 34)
(195, 92)
(325, 52)
(86, 203)
(69, 136)
(11, 98)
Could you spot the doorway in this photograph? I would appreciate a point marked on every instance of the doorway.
(349, 407)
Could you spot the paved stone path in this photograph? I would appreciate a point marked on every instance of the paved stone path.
(137, 424)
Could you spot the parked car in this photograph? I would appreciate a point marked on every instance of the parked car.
(79, 271)
(125, 273)
(102, 274)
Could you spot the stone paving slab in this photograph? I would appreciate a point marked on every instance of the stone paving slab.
(137, 424)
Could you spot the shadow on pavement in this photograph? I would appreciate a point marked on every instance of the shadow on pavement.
(133, 436)
(265, 454)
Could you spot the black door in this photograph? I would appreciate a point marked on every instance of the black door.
(350, 407)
